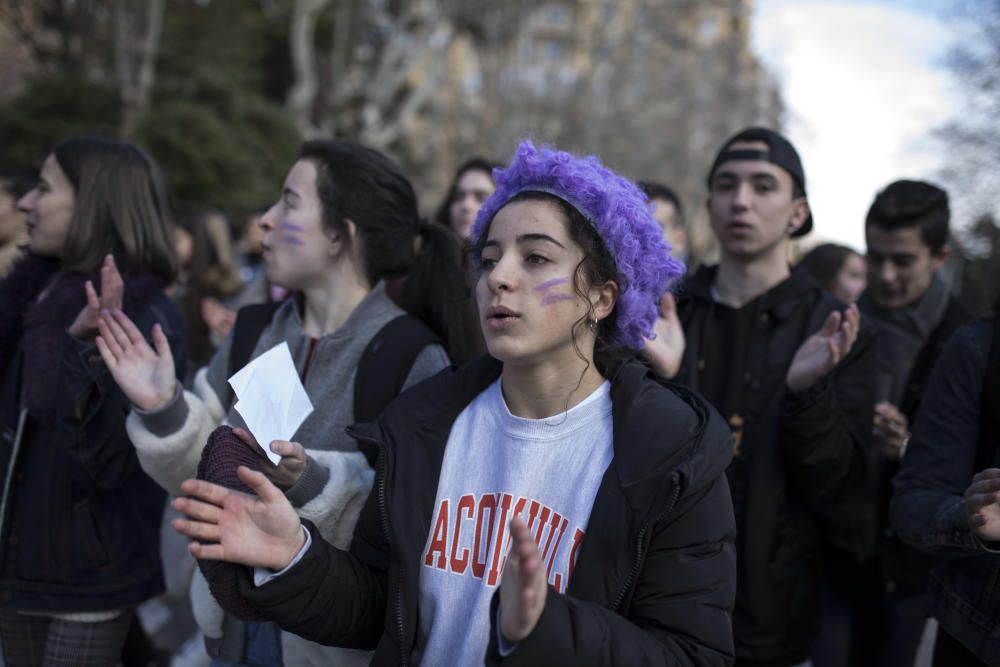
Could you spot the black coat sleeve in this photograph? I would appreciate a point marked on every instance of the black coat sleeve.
(91, 409)
(826, 429)
(330, 596)
(679, 613)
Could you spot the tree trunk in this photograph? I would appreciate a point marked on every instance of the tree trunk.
(302, 95)
(136, 85)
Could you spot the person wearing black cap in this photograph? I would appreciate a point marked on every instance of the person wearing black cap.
(792, 370)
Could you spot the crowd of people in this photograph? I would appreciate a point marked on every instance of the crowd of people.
(537, 436)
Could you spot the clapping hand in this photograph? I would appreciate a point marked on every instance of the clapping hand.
(145, 376)
(523, 587)
(112, 290)
(822, 351)
(260, 530)
(665, 352)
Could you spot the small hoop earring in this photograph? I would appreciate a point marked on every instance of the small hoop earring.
(593, 325)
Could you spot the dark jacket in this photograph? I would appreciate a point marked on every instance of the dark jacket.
(655, 578)
(928, 508)
(80, 519)
(803, 454)
(898, 569)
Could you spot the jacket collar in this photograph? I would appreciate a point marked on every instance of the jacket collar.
(781, 301)
(659, 428)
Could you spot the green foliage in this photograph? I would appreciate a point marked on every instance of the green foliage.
(213, 47)
(50, 109)
(232, 158)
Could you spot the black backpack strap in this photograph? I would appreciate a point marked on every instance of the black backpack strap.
(989, 407)
(384, 366)
(250, 324)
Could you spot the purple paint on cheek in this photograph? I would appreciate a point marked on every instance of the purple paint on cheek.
(291, 240)
(291, 227)
(555, 298)
(551, 283)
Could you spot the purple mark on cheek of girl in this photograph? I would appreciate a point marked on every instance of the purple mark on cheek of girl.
(291, 227)
(551, 283)
(291, 240)
(555, 298)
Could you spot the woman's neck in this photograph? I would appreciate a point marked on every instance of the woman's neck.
(328, 305)
(537, 391)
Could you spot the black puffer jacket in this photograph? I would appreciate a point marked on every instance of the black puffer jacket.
(655, 579)
(804, 455)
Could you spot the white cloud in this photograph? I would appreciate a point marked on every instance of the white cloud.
(863, 87)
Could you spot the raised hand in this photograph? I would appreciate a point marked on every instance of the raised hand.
(890, 430)
(818, 355)
(259, 530)
(289, 468)
(145, 376)
(982, 504)
(112, 289)
(523, 587)
(666, 351)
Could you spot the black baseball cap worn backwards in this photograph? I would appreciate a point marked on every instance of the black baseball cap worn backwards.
(780, 152)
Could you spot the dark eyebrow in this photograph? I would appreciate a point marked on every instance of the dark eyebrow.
(288, 191)
(525, 238)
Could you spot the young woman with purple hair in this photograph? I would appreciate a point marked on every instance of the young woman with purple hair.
(550, 503)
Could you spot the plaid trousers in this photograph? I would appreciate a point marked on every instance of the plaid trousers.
(31, 641)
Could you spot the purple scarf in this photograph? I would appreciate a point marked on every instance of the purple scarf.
(38, 325)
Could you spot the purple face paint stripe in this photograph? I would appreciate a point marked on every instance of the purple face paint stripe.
(291, 227)
(291, 240)
(551, 283)
(555, 298)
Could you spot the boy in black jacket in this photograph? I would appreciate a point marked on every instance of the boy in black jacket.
(882, 589)
(791, 371)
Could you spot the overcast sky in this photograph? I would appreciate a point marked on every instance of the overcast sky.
(864, 84)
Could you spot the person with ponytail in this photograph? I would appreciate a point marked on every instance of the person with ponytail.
(79, 519)
(345, 223)
(551, 503)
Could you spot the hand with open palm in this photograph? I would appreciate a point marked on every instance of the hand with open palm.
(146, 376)
(260, 530)
(982, 504)
(822, 351)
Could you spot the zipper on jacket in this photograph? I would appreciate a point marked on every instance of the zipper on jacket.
(384, 516)
(22, 420)
(634, 572)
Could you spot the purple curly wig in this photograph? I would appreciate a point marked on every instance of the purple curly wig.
(620, 213)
